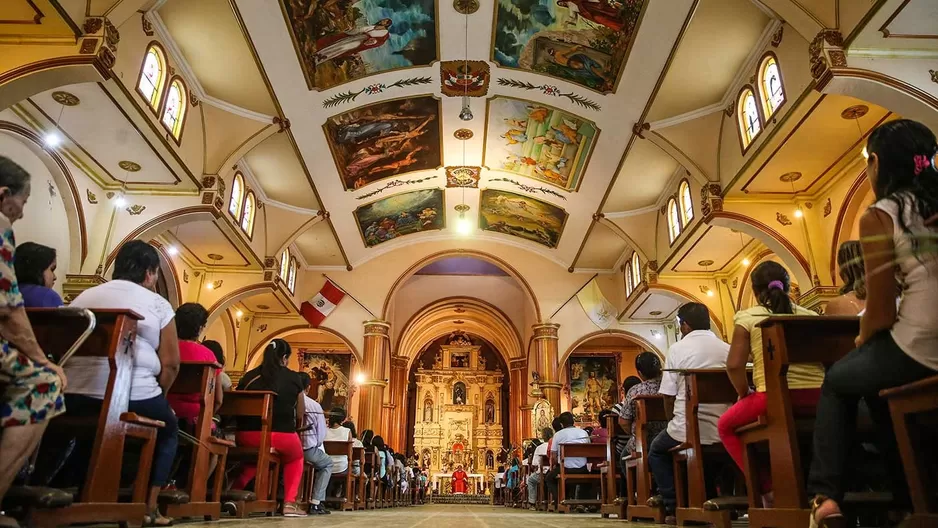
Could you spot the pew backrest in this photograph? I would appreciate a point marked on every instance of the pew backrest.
(338, 448)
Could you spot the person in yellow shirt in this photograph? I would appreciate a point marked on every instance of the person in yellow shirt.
(771, 284)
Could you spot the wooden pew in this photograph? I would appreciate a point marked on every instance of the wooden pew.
(347, 502)
(612, 504)
(578, 450)
(789, 340)
(305, 493)
(358, 453)
(906, 405)
(254, 404)
(112, 338)
(370, 495)
(198, 377)
(703, 386)
(638, 475)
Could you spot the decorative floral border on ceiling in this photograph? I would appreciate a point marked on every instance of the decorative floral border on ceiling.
(393, 184)
(373, 89)
(549, 89)
(529, 188)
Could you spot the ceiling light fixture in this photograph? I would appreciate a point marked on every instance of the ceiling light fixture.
(746, 262)
(120, 201)
(172, 250)
(463, 224)
(52, 139)
(466, 113)
(798, 212)
(239, 314)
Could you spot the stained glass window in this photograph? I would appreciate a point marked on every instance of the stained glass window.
(773, 93)
(291, 282)
(247, 217)
(629, 286)
(687, 204)
(237, 197)
(175, 108)
(750, 123)
(284, 264)
(636, 270)
(674, 221)
(152, 76)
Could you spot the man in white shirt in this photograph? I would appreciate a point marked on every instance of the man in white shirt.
(700, 348)
(312, 435)
(538, 459)
(569, 434)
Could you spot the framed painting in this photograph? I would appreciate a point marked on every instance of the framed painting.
(330, 374)
(542, 414)
(385, 139)
(339, 41)
(538, 141)
(401, 214)
(586, 42)
(521, 216)
(594, 385)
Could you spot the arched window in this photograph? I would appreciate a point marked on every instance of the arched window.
(770, 85)
(174, 109)
(750, 123)
(687, 205)
(284, 264)
(291, 281)
(152, 76)
(629, 285)
(636, 270)
(674, 220)
(247, 217)
(237, 196)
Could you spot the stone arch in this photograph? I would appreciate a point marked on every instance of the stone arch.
(682, 295)
(772, 239)
(847, 217)
(164, 222)
(238, 295)
(284, 333)
(417, 266)
(897, 95)
(64, 180)
(622, 334)
(30, 79)
(169, 273)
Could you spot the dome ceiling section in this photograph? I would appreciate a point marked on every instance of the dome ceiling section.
(381, 138)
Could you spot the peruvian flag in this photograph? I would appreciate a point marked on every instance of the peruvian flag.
(321, 305)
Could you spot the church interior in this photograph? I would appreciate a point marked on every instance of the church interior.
(467, 219)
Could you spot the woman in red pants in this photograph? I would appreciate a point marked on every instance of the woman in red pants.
(273, 375)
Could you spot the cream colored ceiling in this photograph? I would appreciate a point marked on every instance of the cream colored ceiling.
(318, 246)
(721, 245)
(603, 249)
(655, 306)
(200, 239)
(209, 36)
(265, 304)
(901, 24)
(818, 146)
(642, 178)
(715, 46)
(280, 173)
(33, 20)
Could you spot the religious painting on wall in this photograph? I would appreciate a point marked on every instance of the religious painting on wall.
(594, 385)
(329, 374)
(385, 139)
(538, 141)
(542, 414)
(521, 216)
(399, 215)
(582, 41)
(338, 41)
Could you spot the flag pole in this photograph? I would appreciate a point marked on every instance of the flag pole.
(572, 296)
(350, 295)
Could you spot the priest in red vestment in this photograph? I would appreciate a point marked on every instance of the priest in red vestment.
(460, 481)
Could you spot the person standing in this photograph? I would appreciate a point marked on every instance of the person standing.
(700, 348)
(312, 435)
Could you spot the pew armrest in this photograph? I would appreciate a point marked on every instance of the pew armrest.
(923, 385)
(221, 442)
(682, 447)
(754, 426)
(136, 419)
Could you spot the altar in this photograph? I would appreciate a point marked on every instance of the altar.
(442, 483)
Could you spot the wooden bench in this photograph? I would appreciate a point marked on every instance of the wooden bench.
(786, 341)
(612, 504)
(358, 453)
(112, 338)
(593, 478)
(346, 502)
(371, 489)
(906, 405)
(703, 386)
(198, 377)
(648, 409)
(254, 404)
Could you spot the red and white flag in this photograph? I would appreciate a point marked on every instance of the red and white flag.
(321, 305)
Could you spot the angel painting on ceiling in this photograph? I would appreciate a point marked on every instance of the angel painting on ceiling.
(581, 41)
(338, 41)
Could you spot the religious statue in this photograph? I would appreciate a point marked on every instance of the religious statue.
(459, 339)
(460, 481)
(481, 362)
(459, 394)
(459, 361)
(489, 460)
(428, 411)
(489, 412)
(438, 361)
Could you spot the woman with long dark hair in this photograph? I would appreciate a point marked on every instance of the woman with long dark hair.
(852, 299)
(35, 271)
(771, 284)
(273, 375)
(895, 346)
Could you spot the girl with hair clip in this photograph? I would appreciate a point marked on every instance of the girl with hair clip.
(289, 409)
(771, 284)
(895, 346)
(852, 299)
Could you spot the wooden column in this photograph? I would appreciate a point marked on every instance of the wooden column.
(398, 392)
(376, 352)
(518, 398)
(548, 359)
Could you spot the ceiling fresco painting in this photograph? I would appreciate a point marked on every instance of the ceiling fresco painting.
(521, 216)
(385, 139)
(401, 214)
(464, 78)
(538, 141)
(582, 41)
(338, 41)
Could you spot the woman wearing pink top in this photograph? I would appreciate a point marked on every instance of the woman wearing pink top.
(191, 319)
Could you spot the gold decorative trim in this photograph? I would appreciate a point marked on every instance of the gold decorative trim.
(129, 166)
(465, 7)
(65, 98)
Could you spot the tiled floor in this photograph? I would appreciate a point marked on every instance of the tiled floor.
(431, 516)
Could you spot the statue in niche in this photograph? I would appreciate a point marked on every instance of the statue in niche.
(438, 361)
(459, 393)
(459, 338)
(489, 460)
(428, 411)
(489, 412)
(459, 361)
(481, 362)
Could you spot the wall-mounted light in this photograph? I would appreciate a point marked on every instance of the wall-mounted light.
(120, 201)
(52, 139)
(172, 250)
(798, 213)
(239, 314)
(746, 262)
(360, 378)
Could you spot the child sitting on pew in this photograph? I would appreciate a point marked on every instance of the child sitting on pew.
(895, 347)
(771, 285)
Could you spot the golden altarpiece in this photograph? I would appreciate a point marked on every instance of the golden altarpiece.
(459, 417)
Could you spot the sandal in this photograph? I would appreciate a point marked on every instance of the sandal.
(155, 518)
(291, 510)
(834, 520)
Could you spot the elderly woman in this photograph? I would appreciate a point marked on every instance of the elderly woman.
(32, 393)
(35, 271)
(156, 357)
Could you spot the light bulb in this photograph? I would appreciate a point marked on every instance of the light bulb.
(52, 139)
(746, 262)
(463, 225)
(709, 293)
(120, 201)
(210, 286)
(172, 250)
(239, 314)
(466, 113)
(360, 378)
(798, 213)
